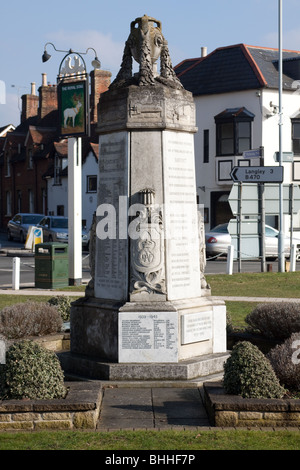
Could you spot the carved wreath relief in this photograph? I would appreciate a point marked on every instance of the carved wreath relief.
(147, 250)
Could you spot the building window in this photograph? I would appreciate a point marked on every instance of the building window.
(60, 210)
(206, 146)
(30, 200)
(91, 184)
(233, 131)
(30, 159)
(296, 137)
(19, 201)
(7, 165)
(8, 203)
(57, 170)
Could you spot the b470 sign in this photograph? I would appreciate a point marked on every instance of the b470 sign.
(257, 174)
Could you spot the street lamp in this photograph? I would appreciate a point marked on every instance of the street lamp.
(73, 107)
(46, 56)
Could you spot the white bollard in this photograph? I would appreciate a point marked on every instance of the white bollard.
(293, 257)
(2, 352)
(16, 274)
(230, 254)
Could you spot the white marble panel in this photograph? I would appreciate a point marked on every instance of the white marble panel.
(148, 337)
(111, 268)
(181, 219)
(196, 327)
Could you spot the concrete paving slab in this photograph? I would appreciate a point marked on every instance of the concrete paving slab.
(152, 408)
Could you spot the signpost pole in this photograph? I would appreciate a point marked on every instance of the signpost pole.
(280, 236)
(239, 254)
(262, 250)
(291, 211)
(261, 189)
(74, 211)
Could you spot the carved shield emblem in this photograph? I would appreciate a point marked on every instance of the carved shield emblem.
(147, 253)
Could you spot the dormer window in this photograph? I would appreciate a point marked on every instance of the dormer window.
(296, 136)
(233, 131)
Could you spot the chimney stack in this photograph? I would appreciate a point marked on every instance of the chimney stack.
(44, 79)
(30, 104)
(47, 98)
(203, 51)
(100, 81)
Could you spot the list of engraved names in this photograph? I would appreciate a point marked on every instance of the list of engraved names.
(181, 214)
(148, 336)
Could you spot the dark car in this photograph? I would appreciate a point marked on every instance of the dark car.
(18, 226)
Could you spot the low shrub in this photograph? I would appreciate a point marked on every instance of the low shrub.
(275, 320)
(229, 324)
(29, 319)
(32, 372)
(285, 360)
(63, 305)
(247, 372)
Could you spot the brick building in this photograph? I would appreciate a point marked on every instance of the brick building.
(28, 153)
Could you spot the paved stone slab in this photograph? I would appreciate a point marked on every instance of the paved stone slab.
(150, 408)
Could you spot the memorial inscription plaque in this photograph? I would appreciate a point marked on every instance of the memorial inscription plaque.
(196, 327)
(148, 337)
(182, 238)
(112, 253)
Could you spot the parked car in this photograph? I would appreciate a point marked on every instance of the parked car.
(55, 229)
(18, 226)
(218, 239)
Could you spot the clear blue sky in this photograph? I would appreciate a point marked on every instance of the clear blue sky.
(104, 25)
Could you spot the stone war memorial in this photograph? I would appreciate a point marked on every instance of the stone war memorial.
(147, 313)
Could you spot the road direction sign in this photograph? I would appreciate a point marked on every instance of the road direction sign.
(257, 174)
(286, 156)
(255, 153)
(250, 199)
(245, 245)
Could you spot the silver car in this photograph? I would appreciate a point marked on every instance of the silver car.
(18, 226)
(218, 239)
(55, 229)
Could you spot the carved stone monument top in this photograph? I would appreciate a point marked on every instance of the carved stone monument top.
(146, 44)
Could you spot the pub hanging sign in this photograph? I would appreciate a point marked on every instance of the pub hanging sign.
(73, 100)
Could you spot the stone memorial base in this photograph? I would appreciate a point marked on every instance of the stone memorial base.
(176, 340)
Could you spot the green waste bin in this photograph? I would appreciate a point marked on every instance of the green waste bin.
(51, 265)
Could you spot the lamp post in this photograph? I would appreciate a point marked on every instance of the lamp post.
(73, 97)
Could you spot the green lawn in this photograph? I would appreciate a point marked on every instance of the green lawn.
(285, 285)
(153, 440)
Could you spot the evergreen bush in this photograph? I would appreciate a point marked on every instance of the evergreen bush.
(32, 372)
(247, 372)
(275, 320)
(63, 305)
(285, 360)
